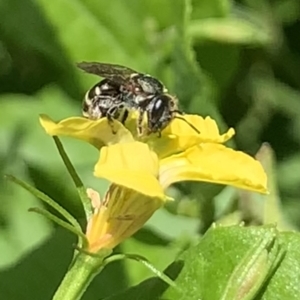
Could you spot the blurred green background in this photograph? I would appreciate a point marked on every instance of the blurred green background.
(237, 61)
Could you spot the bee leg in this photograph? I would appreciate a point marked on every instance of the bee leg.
(112, 114)
(124, 117)
(140, 123)
(159, 134)
(166, 120)
(110, 121)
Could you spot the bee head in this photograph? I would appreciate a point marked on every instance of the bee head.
(161, 110)
(159, 113)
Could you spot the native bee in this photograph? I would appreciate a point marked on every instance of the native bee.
(123, 90)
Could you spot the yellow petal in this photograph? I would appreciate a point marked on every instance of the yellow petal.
(132, 165)
(179, 135)
(209, 131)
(95, 132)
(214, 163)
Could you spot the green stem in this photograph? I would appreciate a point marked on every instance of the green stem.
(84, 268)
(146, 263)
(45, 198)
(67, 162)
(86, 202)
(63, 224)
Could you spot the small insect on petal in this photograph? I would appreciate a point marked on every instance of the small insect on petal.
(124, 90)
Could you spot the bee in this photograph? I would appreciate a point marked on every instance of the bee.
(123, 90)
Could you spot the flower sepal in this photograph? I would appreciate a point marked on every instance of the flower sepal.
(118, 216)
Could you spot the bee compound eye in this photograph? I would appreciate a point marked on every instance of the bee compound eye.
(159, 106)
(156, 110)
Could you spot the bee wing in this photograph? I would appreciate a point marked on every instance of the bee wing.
(116, 73)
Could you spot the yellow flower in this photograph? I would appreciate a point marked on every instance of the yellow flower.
(141, 169)
(154, 163)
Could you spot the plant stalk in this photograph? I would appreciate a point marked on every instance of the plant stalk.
(82, 271)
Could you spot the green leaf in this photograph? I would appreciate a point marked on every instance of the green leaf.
(287, 11)
(228, 263)
(38, 35)
(272, 206)
(20, 230)
(195, 90)
(285, 284)
(35, 56)
(264, 209)
(87, 30)
(74, 23)
(288, 179)
(229, 31)
(212, 8)
(122, 31)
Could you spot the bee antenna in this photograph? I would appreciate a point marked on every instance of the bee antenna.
(191, 125)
